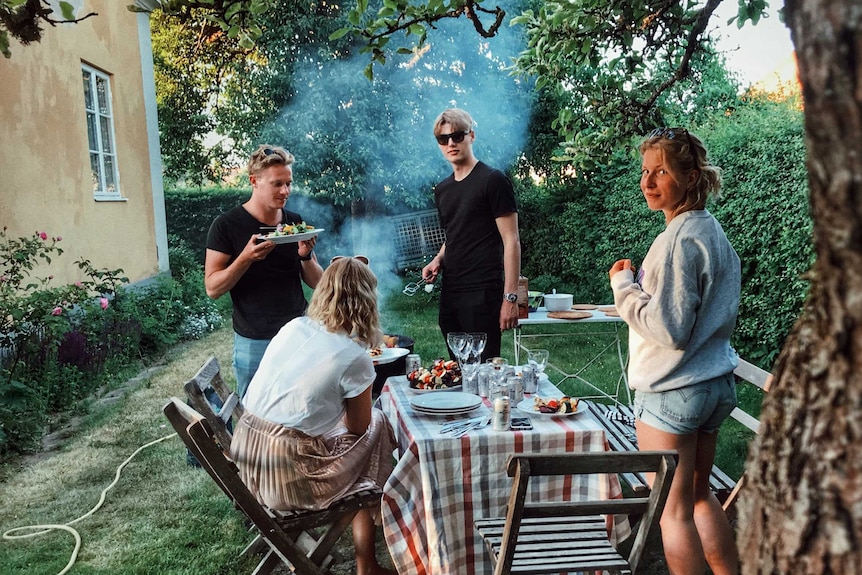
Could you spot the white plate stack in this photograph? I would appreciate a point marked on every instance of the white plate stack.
(452, 403)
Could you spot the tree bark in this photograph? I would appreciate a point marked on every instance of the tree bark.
(801, 510)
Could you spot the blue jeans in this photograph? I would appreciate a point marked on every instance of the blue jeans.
(698, 407)
(247, 354)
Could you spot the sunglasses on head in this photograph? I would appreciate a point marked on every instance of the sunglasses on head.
(457, 137)
(669, 133)
(363, 259)
(270, 152)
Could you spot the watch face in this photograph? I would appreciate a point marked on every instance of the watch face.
(511, 297)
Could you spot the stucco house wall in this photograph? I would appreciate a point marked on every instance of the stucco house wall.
(46, 182)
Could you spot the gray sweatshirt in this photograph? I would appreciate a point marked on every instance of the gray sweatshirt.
(682, 310)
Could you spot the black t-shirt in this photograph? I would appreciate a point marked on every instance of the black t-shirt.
(269, 294)
(468, 211)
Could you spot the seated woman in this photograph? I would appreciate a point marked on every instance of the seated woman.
(309, 435)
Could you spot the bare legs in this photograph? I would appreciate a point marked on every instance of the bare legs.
(364, 535)
(694, 528)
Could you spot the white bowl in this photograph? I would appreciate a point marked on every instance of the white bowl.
(558, 301)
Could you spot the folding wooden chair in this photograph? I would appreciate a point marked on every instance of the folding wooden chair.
(207, 392)
(569, 536)
(289, 536)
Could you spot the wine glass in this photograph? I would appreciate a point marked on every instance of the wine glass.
(538, 358)
(457, 341)
(477, 342)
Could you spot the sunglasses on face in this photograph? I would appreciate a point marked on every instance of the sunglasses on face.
(457, 137)
(363, 259)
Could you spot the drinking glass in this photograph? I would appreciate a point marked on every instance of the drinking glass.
(470, 372)
(477, 342)
(457, 341)
(538, 358)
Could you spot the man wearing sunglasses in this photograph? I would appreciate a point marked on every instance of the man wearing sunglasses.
(480, 260)
(264, 279)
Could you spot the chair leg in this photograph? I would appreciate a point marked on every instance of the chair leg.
(325, 543)
(269, 562)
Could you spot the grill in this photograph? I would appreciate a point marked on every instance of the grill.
(418, 237)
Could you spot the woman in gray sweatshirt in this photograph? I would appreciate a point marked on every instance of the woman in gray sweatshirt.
(681, 309)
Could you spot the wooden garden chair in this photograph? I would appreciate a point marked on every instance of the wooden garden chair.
(211, 397)
(569, 536)
(288, 536)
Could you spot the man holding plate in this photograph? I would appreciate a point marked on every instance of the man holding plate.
(264, 279)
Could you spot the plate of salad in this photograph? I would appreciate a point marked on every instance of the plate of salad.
(291, 233)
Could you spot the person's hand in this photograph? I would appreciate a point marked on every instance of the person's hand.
(430, 272)
(257, 250)
(306, 247)
(508, 315)
(621, 265)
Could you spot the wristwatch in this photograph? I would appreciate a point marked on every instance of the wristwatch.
(511, 297)
(305, 258)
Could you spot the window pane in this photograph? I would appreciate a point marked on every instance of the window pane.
(88, 91)
(105, 128)
(110, 184)
(102, 89)
(92, 137)
(96, 170)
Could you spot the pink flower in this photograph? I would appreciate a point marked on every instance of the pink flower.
(57, 311)
(103, 301)
(43, 235)
(58, 238)
(79, 284)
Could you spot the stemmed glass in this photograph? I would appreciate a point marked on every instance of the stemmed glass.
(538, 358)
(457, 341)
(477, 343)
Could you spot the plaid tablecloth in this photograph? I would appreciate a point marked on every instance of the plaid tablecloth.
(441, 484)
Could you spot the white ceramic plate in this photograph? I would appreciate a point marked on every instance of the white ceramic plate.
(293, 238)
(421, 391)
(527, 405)
(446, 402)
(389, 355)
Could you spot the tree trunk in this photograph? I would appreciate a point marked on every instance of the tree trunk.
(801, 511)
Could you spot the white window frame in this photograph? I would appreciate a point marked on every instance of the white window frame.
(101, 139)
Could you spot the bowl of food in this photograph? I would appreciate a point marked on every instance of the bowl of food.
(558, 301)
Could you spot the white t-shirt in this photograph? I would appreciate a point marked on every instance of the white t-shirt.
(306, 374)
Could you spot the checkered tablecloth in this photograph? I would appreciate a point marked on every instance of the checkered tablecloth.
(441, 484)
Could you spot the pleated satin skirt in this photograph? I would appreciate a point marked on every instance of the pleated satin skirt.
(287, 469)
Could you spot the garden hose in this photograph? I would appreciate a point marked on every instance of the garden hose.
(48, 527)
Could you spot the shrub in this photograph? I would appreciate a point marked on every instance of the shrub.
(59, 344)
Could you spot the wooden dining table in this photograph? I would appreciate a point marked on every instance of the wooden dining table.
(441, 484)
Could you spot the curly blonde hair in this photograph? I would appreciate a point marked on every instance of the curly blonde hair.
(265, 156)
(684, 152)
(345, 299)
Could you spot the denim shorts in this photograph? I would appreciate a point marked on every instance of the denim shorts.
(698, 407)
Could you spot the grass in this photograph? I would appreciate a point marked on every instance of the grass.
(164, 517)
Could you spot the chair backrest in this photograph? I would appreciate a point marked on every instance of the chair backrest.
(522, 467)
(761, 378)
(195, 431)
(207, 392)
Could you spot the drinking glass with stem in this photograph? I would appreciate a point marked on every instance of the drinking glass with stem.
(457, 341)
(538, 358)
(477, 341)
